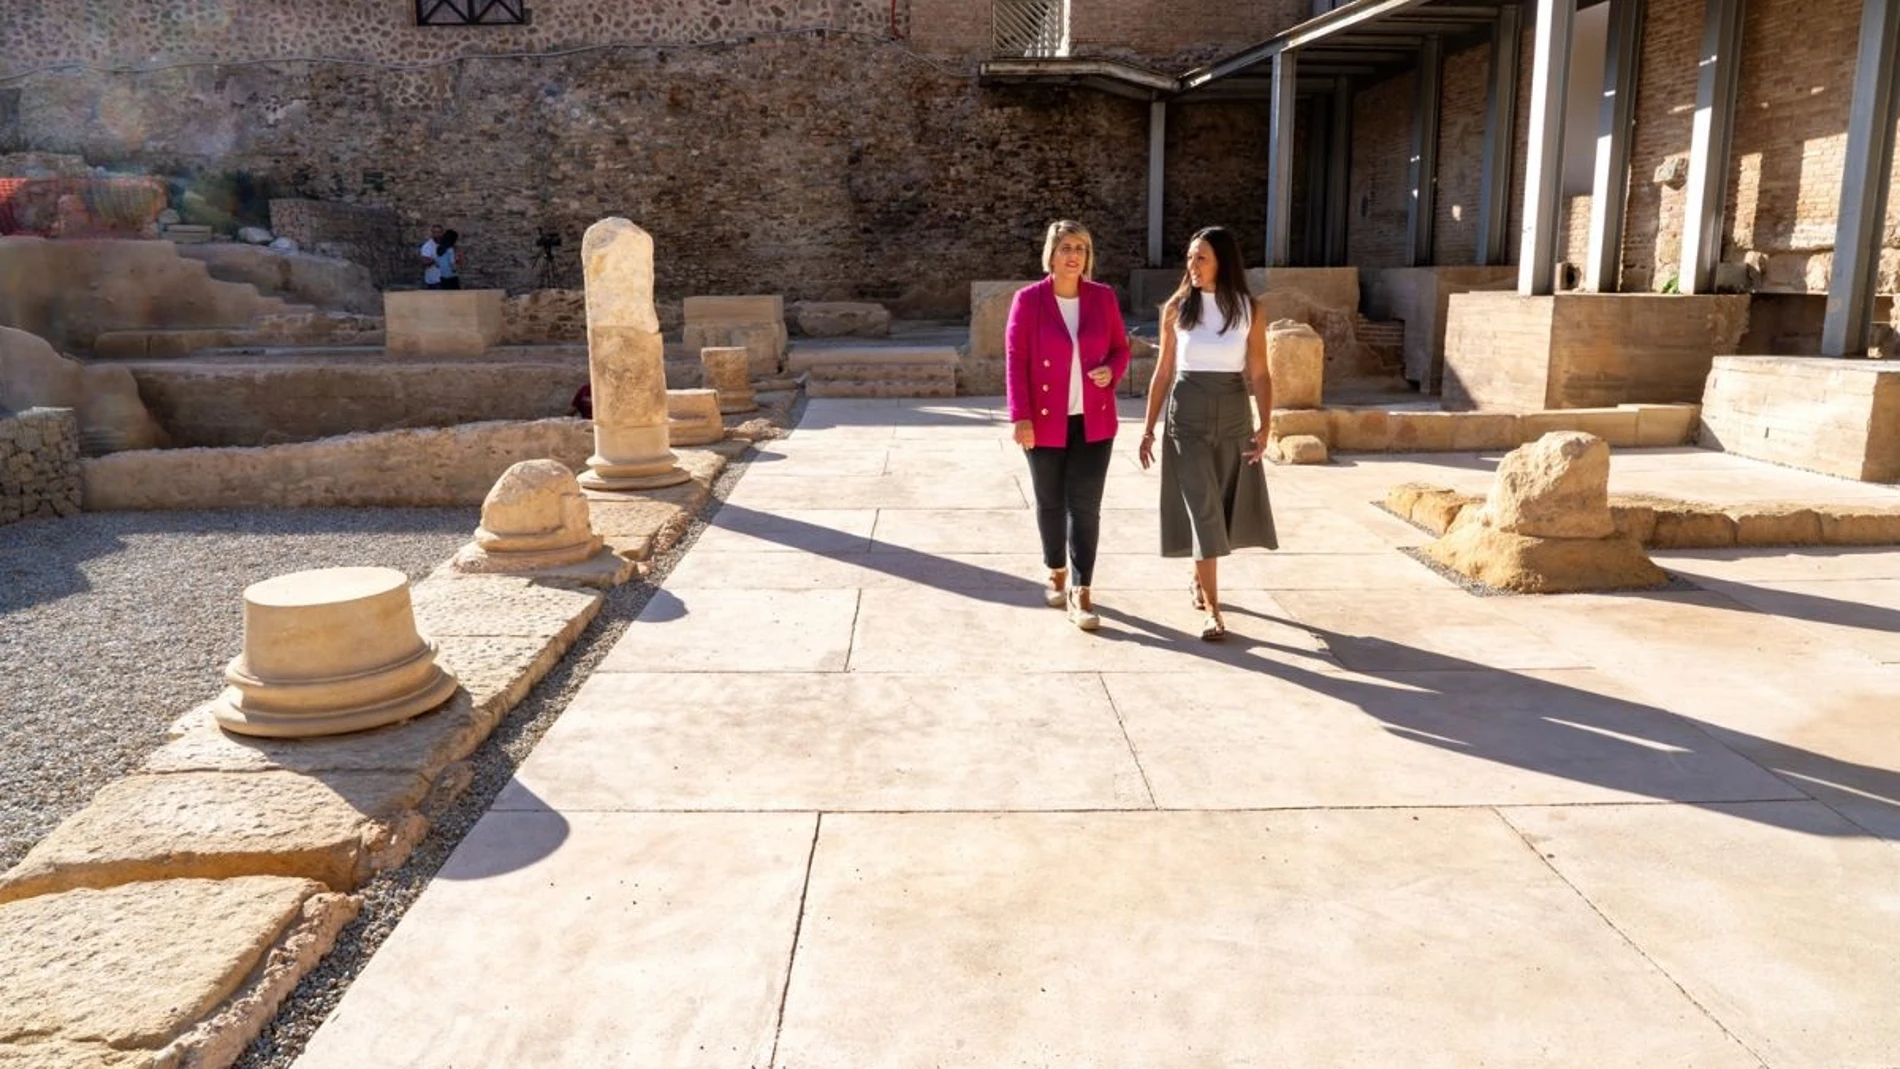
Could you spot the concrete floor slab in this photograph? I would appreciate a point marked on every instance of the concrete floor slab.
(809, 531)
(611, 941)
(1287, 737)
(833, 742)
(1857, 614)
(1762, 913)
(1422, 631)
(1781, 565)
(738, 631)
(958, 633)
(1427, 939)
(997, 491)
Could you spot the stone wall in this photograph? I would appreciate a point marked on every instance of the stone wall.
(39, 464)
(421, 468)
(1381, 147)
(1460, 157)
(373, 236)
(789, 147)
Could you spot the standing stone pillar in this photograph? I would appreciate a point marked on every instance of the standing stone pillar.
(626, 362)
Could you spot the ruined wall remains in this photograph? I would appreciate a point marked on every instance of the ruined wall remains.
(39, 464)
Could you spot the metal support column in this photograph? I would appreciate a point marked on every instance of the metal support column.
(1609, 188)
(1424, 164)
(1500, 126)
(1280, 160)
(1157, 141)
(1864, 193)
(1544, 165)
(1339, 173)
(1707, 195)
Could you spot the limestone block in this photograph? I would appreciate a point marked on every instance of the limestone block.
(828, 319)
(1616, 426)
(1423, 432)
(1486, 431)
(1359, 430)
(1302, 449)
(1660, 426)
(105, 399)
(1858, 526)
(1555, 487)
(441, 322)
(1768, 525)
(1296, 362)
(336, 829)
(1692, 527)
(727, 371)
(133, 969)
(693, 417)
(1434, 508)
(1635, 519)
(1535, 565)
(989, 318)
(1314, 422)
(759, 308)
(756, 323)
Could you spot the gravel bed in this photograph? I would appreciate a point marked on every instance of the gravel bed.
(112, 624)
(387, 896)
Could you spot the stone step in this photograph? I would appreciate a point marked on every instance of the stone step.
(946, 387)
(882, 372)
(808, 356)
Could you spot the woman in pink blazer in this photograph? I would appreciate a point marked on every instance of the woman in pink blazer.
(1064, 351)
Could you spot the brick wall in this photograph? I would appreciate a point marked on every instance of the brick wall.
(1381, 148)
(1460, 157)
(39, 464)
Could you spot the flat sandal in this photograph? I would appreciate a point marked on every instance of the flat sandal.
(1212, 629)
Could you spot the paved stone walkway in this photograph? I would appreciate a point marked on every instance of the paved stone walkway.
(848, 796)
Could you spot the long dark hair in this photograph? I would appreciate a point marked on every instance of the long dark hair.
(1231, 294)
(447, 241)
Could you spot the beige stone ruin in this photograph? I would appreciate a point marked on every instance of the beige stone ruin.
(727, 370)
(755, 323)
(327, 652)
(1546, 526)
(1296, 362)
(536, 522)
(693, 417)
(626, 362)
(442, 322)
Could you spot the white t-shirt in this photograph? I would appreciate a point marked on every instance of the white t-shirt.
(431, 274)
(1072, 318)
(1205, 348)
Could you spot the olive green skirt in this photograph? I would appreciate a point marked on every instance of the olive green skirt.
(1212, 501)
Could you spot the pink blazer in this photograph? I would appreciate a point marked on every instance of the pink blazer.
(1036, 364)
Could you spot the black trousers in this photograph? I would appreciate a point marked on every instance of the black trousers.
(1069, 482)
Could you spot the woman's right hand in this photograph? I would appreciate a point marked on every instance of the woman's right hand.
(1147, 451)
(1024, 432)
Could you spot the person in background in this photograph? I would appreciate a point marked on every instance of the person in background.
(448, 262)
(431, 275)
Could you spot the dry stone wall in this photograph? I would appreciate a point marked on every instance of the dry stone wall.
(39, 464)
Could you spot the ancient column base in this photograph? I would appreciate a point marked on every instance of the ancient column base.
(693, 417)
(631, 458)
(327, 652)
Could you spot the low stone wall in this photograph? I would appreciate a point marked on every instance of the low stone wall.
(442, 467)
(39, 464)
(1377, 430)
(1840, 417)
(276, 401)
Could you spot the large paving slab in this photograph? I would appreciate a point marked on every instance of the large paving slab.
(1421, 631)
(1287, 737)
(1858, 614)
(826, 532)
(1417, 938)
(832, 742)
(738, 631)
(1767, 915)
(997, 490)
(108, 977)
(610, 941)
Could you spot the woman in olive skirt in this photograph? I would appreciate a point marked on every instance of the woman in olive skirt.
(1213, 489)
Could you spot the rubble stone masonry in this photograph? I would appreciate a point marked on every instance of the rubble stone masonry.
(39, 464)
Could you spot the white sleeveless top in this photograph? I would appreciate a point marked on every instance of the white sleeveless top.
(1205, 348)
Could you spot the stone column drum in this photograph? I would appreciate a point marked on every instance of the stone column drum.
(695, 417)
(330, 651)
(535, 517)
(728, 370)
(626, 362)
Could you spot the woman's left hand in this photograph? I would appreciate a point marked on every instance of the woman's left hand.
(1259, 450)
(1101, 376)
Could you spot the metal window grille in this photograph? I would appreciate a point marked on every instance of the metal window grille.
(1031, 28)
(471, 12)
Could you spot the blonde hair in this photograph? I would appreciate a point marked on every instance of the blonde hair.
(1063, 228)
